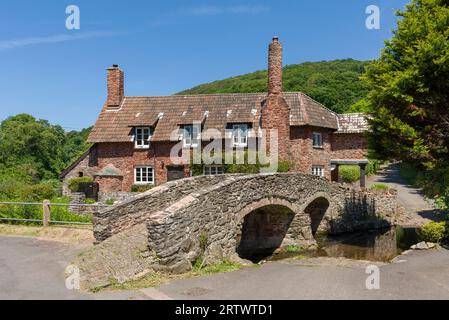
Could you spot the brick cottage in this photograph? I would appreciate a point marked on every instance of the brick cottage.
(133, 136)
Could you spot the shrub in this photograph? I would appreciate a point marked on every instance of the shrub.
(74, 183)
(285, 166)
(245, 168)
(11, 189)
(110, 201)
(442, 200)
(349, 173)
(141, 187)
(372, 167)
(37, 192)
(55, 184)
(434, 231)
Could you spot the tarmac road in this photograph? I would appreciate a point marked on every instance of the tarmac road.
(34, 269)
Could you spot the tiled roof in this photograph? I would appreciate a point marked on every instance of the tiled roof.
(352, 123)
(166, 114)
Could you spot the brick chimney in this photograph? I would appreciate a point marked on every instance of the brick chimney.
(275, 67)
(275, 110)
(116, 86)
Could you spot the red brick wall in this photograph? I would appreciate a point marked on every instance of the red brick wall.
(276, 115)
(304, 155)
(125, 157)
(110, 184)
(349, 146)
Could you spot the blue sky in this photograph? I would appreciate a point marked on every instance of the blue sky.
(164, 46)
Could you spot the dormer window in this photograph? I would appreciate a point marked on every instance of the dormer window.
(240, 135)
(191, 136)
(142, 137)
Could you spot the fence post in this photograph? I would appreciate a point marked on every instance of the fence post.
(47, 213)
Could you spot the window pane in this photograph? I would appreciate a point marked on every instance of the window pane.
(240, 134)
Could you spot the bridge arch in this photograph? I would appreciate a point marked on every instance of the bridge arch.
(270, 201)
(317, 207)
(263, 226)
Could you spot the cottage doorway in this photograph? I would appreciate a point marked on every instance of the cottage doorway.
(175, 173)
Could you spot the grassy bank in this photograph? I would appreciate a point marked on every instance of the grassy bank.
(156, 279)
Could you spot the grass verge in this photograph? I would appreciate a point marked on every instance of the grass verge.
(156, 279)
(68, 234)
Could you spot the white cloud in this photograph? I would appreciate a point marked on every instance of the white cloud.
(17, 43)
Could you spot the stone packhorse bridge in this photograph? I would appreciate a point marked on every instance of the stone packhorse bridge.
(239, 216)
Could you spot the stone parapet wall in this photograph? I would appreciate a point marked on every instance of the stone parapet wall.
(139, 208)
(116, 196)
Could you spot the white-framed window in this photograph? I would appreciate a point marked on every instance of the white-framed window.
(191, 136)
(240, 135)
(317, 140)
(318, 171)
(213, 170)
(143, 175)
(142, 137)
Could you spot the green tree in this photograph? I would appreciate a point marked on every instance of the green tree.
(32, 150)
(75, 145)
(410, 88)
(27, 142)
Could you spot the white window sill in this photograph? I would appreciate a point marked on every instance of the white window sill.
(141, 147)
